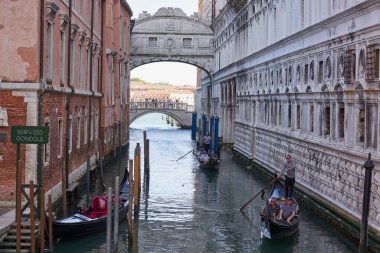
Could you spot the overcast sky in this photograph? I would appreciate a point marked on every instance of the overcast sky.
(174, 73)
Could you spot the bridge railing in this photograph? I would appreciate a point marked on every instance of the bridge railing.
(162, 105)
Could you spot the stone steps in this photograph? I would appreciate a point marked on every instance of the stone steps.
(9, 243)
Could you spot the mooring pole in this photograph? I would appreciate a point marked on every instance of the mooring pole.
(50, 203)
(204, 124)
(137, 182)
(116, 215)
(42, 221)
(130, 203)
(147, 165)
(216, 135)
(368, 166)
(32, 216)
(144, 142)
(211, 132)
(194, 126)
(109, 220)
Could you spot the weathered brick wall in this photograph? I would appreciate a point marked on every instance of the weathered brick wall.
(55, 108)
(16, 111)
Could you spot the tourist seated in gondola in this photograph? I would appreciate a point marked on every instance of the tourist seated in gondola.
(273, 209)
(288, 211)
(204, 157)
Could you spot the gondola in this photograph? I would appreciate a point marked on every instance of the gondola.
(94, 218)
(212, 163)
(274, 228)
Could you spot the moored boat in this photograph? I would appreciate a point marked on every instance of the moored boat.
(272, 227)
(92, 219)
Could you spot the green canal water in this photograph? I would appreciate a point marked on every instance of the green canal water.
(187, 209)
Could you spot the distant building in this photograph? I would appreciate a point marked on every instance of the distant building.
(147, 91)
(64, 67)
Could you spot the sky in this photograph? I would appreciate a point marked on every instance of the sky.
(170, 72)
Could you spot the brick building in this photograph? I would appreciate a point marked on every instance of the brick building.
(63, 64)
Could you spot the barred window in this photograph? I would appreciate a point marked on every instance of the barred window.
(187, 42)
(152, 41)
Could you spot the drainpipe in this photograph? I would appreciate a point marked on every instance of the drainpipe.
(101, 79)
(91, 73)
(40, 101)
(65, 171)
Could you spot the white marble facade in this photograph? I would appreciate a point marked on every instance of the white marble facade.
(302, 77)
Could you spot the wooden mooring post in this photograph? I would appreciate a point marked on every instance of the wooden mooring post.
(137, 181)
(144, 144)
(130, 203)
(146, 155)
(116, 216)
(50, 207)
(109, 220)
(42, 219)
(32, 224)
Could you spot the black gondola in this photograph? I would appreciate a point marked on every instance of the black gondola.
(92, 219)
(212, 163)
(274, 228)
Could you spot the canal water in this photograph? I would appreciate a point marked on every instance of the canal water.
(187, 209)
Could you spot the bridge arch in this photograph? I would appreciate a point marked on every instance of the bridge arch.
(181, 112)
(170, 35)
(168, 113)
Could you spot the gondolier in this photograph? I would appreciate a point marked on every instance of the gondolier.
(289, 171)
(207, 141)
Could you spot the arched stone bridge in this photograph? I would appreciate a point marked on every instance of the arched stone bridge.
(181, 112)
(170, 35)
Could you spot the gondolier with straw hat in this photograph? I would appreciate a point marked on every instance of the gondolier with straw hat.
(289, 171)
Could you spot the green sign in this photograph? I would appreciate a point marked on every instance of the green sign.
(30, 135)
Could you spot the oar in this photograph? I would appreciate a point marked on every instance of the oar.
(184, 155)
(249, 201)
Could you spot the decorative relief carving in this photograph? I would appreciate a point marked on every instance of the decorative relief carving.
(82, 37)
(52, 9)
(74, 30)
(65, 19)
(328, 67)
(298, 73)
(341, 65)
(312, 70)
(170, 42)
(3, 117)
(362, 63)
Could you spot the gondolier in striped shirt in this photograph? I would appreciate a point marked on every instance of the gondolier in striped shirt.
(289, 171)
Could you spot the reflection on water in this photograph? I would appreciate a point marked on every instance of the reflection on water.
(187, 209)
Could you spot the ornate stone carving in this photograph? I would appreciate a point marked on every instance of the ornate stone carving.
(82, 37)
(65, 19)
(3, 117)
(52, 9)
(362, 63)
(88, 42)
(328, 67)
(341, 65)
(177, 45)
(312, 70)
(298, 73)
(98, 50)
(74, 30)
